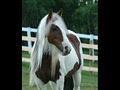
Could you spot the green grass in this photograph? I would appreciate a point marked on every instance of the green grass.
(88, 82)
(86, 63)
(25, 54)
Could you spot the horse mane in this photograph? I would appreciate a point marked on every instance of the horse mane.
(41, 46)
(36, 53)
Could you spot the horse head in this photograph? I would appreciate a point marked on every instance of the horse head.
(57, 32)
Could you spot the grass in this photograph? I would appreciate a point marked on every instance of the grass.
(88, 82)
(25, 54)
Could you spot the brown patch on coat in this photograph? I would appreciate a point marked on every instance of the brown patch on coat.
(75, 43)
(44, 73)
(55, 35)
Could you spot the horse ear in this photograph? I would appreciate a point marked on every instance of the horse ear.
(49, 15)
(60, 12)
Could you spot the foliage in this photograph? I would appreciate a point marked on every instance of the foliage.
(81, 19)
(85, 19)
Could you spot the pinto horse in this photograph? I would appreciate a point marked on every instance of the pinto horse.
(56, 56)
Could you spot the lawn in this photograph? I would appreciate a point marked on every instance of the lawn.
(88, 82)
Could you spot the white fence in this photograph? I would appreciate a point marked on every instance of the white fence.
(91, 46)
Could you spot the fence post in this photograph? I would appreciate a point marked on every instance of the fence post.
(91, 52)
(29, 36)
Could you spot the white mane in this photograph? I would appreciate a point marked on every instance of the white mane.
(41, 44)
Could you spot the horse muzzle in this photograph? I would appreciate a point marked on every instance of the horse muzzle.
(64, 49)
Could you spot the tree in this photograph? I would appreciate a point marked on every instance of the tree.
(81, 19)
(85, 19)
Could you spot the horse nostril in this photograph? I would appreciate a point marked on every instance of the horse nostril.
(66, 50)
(66, 47)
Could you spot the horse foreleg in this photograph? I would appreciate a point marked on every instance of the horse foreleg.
(77, 80)
(40, 85)
(53, 85)
(60, 83)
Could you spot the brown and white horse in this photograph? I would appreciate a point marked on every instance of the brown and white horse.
(56, 55)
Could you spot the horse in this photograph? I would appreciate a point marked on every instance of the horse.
(56, 56)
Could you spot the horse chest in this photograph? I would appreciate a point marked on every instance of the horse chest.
(44, 73)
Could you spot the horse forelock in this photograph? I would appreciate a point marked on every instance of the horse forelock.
(60, 22)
